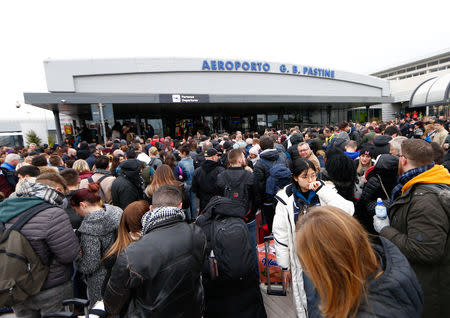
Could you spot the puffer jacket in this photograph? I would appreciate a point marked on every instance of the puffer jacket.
(159, 275)
(128, 186)
(205, 180)
(395, 293)
(385, 169)
(97, 235)
(51, 236)
(284, 236)
(420, 227)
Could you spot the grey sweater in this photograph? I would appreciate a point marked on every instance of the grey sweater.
(97, 235)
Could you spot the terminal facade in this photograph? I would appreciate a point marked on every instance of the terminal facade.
(205, 94)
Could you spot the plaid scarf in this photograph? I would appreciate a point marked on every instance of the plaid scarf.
(160, 216)
(406, 177)
(41, 191)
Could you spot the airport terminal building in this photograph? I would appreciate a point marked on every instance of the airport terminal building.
(177, 95)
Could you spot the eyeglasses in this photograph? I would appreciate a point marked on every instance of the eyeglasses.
(309, 176)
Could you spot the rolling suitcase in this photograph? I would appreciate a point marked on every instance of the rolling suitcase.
(270, 272)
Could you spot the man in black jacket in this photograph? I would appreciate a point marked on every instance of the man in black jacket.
(205, 178)
(267, 158)
(128, 186)
(159, 275)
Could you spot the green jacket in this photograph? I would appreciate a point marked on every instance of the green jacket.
(420, 229)
(368, 137)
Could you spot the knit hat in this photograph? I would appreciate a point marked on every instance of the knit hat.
(254, 150)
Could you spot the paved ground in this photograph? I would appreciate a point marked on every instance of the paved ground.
(276, 306)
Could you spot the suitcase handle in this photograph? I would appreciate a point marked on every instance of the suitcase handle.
(270, 291)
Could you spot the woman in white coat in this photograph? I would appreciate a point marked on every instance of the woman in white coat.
(295, 199)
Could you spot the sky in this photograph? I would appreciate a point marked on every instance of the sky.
(354, 36)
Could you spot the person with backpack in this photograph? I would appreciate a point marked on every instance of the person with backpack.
(229, 276)
(103, 176)
(128, 186)
(294, 200)
(41, 231)
(271, 174)
(204, 182)
(237, 184)
(160, 274)
(418, 222)
(97, 231)
(155, 161)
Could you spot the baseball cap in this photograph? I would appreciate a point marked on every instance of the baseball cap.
(211, 152)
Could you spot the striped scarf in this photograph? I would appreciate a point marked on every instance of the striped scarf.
(161, 216)
(41, 191)
(406, 177)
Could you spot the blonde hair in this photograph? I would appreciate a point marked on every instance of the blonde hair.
(80, 166)
(335, 253)
(162, 176)
(153, 151)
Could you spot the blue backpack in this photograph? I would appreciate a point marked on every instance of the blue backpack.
(279, 176)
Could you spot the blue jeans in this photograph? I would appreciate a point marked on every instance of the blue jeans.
(252, 229)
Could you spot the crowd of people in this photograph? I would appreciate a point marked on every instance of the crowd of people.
(161, 227)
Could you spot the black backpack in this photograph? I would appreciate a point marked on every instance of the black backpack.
(229, 244)
(237, 190)
(22, 273)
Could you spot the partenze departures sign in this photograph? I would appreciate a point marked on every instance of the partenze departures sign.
(260, 67)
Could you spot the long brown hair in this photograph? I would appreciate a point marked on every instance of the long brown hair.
(336, 254)
(129, 223)
(162, 176)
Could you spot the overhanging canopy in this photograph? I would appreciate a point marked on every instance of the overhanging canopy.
(433, 91)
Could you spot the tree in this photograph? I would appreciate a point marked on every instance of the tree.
(32, 137)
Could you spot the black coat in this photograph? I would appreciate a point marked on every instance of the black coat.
(83, 151)
(381, 144)
(261, 173)
(204, 181)
(159, 275)
(396, 293)
(128, 186)
(386, 170)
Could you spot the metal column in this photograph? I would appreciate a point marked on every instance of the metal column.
(57, 126)
(102, 122)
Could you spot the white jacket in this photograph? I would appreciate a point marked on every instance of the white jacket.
(284, 229)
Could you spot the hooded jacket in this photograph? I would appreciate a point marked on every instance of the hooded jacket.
(97, 235)
(49, 232)
(385, 170)
(261, 173)
(395, 293)
(420, 227)
(381, 144)
(128, 186)
(292, 145)
(204, 182)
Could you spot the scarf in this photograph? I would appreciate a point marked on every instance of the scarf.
(407, 176)
(42, 191)
(161, 216)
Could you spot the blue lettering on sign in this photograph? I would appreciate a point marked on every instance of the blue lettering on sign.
(205, 65)
(220, 65)
(259, 66)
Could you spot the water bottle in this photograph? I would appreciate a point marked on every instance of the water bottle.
(380, 209)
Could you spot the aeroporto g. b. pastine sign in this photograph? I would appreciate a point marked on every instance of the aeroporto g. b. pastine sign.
(264, 67)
